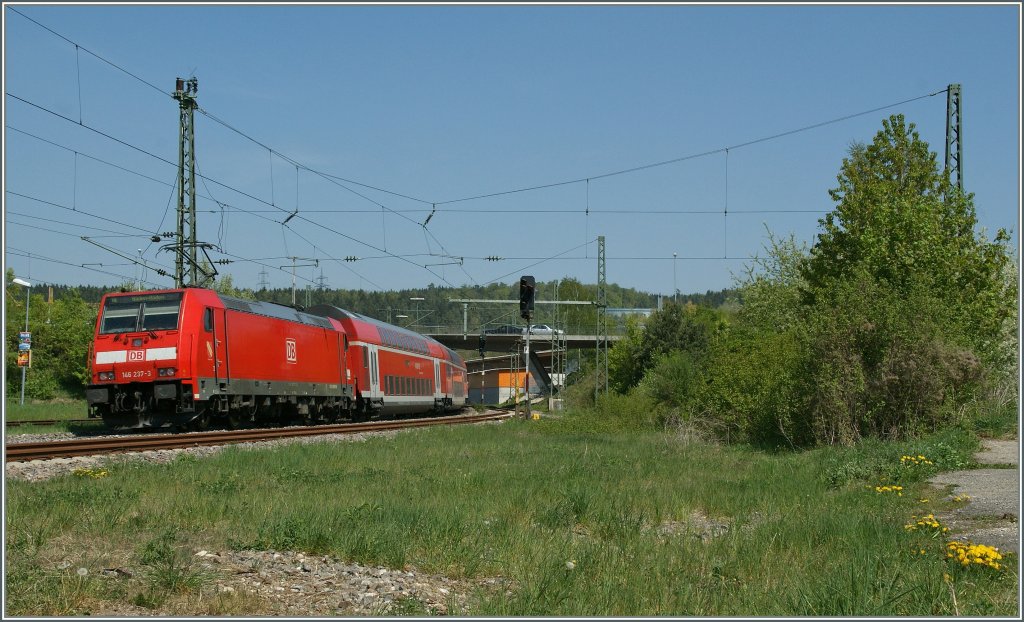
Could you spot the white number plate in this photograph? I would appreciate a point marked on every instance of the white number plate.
(145, 373)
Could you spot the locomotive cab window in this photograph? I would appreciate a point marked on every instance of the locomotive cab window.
(208, 320)
(125, 314)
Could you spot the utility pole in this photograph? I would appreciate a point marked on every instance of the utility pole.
(185, 92)
(263, 279)
(675, 289)
(954, 140)
(316, 262)
(26, 335)
(417, 300)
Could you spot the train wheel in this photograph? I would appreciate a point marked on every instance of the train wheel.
(234, 419)
(202, 422)
(330, 413)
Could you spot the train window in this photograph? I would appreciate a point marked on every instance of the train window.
(160, 315)
(366, 359)
(208, 320)
(124, 314)
(346, 343)
(119, 318)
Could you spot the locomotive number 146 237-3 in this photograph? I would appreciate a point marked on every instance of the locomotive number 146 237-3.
(141, 373)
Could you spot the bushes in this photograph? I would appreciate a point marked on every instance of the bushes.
(616, 413)
(753, 388)
(862, 360)
(884, 363)
(687, 328)
(888, 328)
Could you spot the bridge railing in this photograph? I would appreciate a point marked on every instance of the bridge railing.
(584, 328)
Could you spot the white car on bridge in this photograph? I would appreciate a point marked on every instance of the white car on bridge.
(543, 329)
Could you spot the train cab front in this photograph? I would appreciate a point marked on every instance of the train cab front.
(138, 362)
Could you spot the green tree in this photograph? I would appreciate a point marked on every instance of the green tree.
(906, 303)
(899, 220)
(225, 284)
(61, 336)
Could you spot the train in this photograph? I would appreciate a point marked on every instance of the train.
(192, 358)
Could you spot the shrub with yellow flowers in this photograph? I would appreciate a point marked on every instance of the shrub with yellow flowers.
(969, 554)
(93, 473)
(927, 523)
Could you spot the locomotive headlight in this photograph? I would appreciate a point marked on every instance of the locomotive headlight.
(165, 371)
(106, 375)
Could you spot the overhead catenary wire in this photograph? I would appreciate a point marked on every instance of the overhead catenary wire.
(525, 189)
(331, 258)
(219, 183)
(23, 253)
(693, 156)
(77, 211)
(90, 52)
(459, 210)
(543, 260)
(436, 203)
(76, 225)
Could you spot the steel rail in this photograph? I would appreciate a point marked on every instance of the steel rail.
(19, 452)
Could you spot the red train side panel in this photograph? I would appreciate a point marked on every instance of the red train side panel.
(179, 356)
(399, 371)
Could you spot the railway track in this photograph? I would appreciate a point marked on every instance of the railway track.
(20, 452)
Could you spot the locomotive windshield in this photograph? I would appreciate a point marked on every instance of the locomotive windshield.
(127, 314)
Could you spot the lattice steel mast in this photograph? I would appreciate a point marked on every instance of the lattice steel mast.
(954, 140)
(185, 93)
(601, 362)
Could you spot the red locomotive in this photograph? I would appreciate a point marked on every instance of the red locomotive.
(189, 357)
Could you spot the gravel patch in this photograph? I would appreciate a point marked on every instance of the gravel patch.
(999, 452)
(297, 584)
(991, 512)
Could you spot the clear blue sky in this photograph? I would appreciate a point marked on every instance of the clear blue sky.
(441, 103)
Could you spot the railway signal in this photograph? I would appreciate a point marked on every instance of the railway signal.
(526, 296)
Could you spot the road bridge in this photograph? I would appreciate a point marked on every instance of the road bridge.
(504, 343)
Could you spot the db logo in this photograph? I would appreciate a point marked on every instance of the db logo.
(289, 350)
(136, 355)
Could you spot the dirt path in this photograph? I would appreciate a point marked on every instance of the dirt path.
(992, 513)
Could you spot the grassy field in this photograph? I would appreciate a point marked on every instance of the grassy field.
(56, 409)
(636, 524)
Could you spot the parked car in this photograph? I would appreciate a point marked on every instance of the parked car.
(504, 329)
(543, 329)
